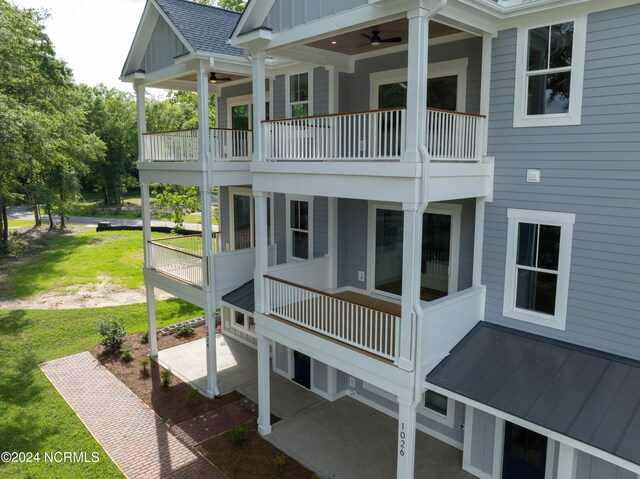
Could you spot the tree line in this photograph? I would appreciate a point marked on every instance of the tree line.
(58, 138)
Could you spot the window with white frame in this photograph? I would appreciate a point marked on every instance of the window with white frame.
(550, 65)
(439, 407)
(299, 223)
(299, 95)
(242, 221)
(537, 266)
(242, 321)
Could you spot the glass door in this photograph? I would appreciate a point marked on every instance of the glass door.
(525, 453)
(242, 230)
(436, 249)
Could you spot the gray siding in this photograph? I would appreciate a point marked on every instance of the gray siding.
(482, 440)
(279, 107)
(282, 358)
(286, 14)
(163, 47)
(320, 91)
(230, 92)
(223, 217)
(280, 223)
(320, 226)
(591, 170)
(320, 376)
(352, 242)
(355, 87)
(590, 467)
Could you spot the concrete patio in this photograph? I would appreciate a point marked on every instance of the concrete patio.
(343, 439)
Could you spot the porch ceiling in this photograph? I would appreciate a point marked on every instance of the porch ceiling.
(353, 43)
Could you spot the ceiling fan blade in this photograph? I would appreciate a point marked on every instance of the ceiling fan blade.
(392, 40)
(224, 79)
(366, 36)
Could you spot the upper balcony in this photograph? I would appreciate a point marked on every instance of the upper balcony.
(349, 146)
(177, 153)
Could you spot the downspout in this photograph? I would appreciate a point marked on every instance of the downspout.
(422, 207)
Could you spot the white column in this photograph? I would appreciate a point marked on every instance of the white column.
(485, 85)
(142, 118)
(416, 119)
(406, 439)
(262, 249)
(567, 462)
(151, 322)
(264, 387)
(478, 241)
(411, 257)
(202, 80)
(259, 98)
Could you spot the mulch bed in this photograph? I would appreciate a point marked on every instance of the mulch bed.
(255, 458)
(169, 403)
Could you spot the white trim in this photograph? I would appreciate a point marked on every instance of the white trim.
(287, 92)
(448, 419)
(551, 456)
(498, 447)
(379, 392)
(243, 191)
(457, 67)
(450, 209)
(239, 101)
(565, 221)
(289, 243)
(574, 116)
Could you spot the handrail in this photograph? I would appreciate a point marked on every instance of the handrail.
(324, 293)
(329, 115)
(153, 242)
(194, 129)
(461, 113)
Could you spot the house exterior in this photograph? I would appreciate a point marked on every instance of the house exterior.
(430, 206)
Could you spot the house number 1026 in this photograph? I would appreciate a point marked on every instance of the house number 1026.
(403, 435)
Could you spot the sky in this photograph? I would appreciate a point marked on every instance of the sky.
(92, 36)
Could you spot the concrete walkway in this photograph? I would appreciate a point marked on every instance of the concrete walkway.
(135, 438)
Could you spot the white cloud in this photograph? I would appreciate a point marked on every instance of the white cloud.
(92, 36)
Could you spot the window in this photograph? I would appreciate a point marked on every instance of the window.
(299, 221)
(439, 407)
(299, 95)
(242, 221)
(238, 318)
(241, 320)
(537, 266)
(550, 64)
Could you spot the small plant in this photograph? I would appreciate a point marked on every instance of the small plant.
(127, 354)
(192, 395)
(279, 460)
(165, 378)
(184, 330)
(144, 365)
(112, 331)
(144, 339)
(239, 435)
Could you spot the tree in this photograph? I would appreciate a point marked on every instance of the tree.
(174, 202)
(237, 5)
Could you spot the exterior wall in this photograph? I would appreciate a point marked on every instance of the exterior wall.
(223, 217)
(286, 14)
(163, 47)
(320, 226)
(280, 224)
(589, 467)
(229, 329)
(230, 92)
(482, 441)
(279, 100)
(355, 87)
(591, 170)
(467, 229)
(320, 91)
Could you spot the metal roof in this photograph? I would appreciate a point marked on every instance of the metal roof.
(582, 393)
(242, 297)
(206, 28)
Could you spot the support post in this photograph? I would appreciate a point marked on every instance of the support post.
(259, 99)
(142, 119)
(151, 321)
(567, 462)
(478, 241)
(406, 439)
(485, 87)
(262, 249)
(264, 387)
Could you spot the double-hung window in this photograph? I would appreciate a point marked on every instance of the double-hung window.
(299, 226)
(537, 266)
(438, 407)
(299, 95)
(550, 65)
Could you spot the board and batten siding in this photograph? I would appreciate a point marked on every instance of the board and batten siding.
(224, 224)
(355, 87)
(592, 170)
(164, 46)
(590, 467)
(285, 14)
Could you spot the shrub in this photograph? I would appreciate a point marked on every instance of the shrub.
(144, 339)
(165, 378)
(184, 330)
(192, 395)
(144, 365)
(279, 460)
(239, 435)
(112, 331)
(127, 354)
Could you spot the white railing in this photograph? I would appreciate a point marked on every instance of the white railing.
(231, 145)
(180, 264)
(454, 136)
(447, 320)
(225, 145)
(366, 136)
(171, 146)
(365, 328)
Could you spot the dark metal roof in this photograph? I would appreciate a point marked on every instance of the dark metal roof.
(242, 297)
(206, 28)
(582, 393)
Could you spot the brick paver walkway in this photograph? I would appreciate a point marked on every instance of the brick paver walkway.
(133, 436)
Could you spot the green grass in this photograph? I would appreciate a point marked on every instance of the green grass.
(76, 260)
(130, 210)
(33, 416)
(16, 223)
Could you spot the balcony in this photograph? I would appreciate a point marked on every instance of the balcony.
(182, 146)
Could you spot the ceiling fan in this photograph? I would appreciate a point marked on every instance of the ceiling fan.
(214, 79)
(375, 39)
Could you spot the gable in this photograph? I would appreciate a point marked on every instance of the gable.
(164, 46)
(286, 14)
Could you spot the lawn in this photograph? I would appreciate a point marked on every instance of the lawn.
(129, 210)
(73, 260)
(18, 223)
(33, 416)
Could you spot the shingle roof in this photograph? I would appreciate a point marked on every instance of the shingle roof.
(206, 28)
(242, 297)
(582, 393)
